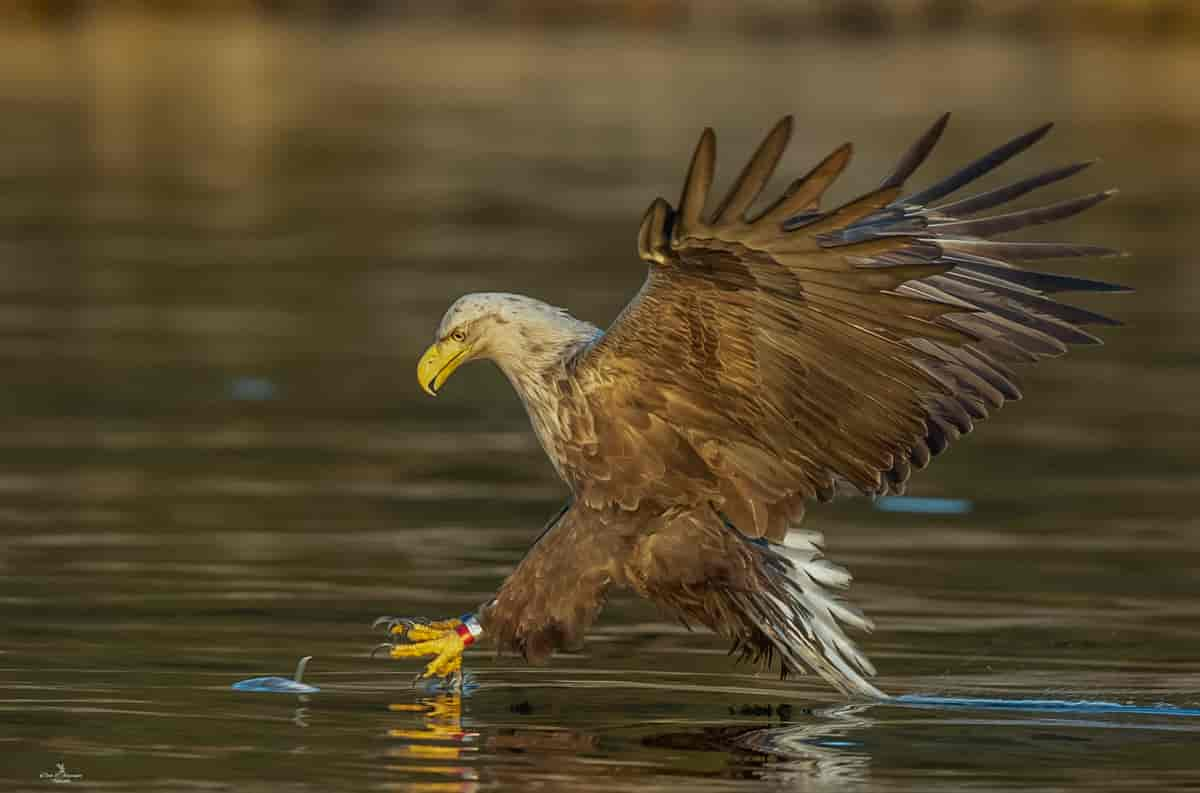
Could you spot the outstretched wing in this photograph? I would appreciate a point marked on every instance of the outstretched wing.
(771, 356)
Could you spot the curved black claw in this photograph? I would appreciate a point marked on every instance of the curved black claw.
(390, 625)
(387, 622)
(456, 682)
(381, 646)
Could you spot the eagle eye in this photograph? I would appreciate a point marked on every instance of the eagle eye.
(459, 336)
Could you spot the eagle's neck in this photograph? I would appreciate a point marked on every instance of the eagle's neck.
(536, 363)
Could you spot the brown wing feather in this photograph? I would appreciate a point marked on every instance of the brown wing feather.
(768, 359)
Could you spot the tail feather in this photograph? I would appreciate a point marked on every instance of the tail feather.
(803, 618)
(773, 600)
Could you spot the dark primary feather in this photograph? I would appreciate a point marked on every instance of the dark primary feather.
(769, 359)
(965, 207)
(1048, 283)
(1013, 221)
(978, 168)
(916, 155)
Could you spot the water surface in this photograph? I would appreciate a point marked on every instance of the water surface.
(222, 247)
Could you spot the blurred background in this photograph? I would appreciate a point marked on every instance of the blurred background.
(227, 230)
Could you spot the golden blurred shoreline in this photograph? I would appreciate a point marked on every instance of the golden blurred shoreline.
(1117, 18)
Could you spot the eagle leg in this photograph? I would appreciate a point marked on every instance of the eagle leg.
(444, 639)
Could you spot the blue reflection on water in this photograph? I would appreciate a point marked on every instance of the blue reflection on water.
(1055, 705)
(252, 389)
(937, 506)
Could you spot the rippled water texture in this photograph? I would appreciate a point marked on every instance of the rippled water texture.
(222, 247)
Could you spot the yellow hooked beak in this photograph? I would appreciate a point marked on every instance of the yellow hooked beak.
(439, 362)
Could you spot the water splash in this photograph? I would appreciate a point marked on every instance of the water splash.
(279, 685)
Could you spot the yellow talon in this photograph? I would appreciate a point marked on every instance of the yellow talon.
(447, 649)
(445, 640)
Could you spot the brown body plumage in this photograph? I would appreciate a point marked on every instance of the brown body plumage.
(771, 359)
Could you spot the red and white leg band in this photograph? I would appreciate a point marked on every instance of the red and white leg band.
(469, 629)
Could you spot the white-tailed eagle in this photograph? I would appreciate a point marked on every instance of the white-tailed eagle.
(775, 355)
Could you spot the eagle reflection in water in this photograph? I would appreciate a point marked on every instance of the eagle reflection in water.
(438, 752)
